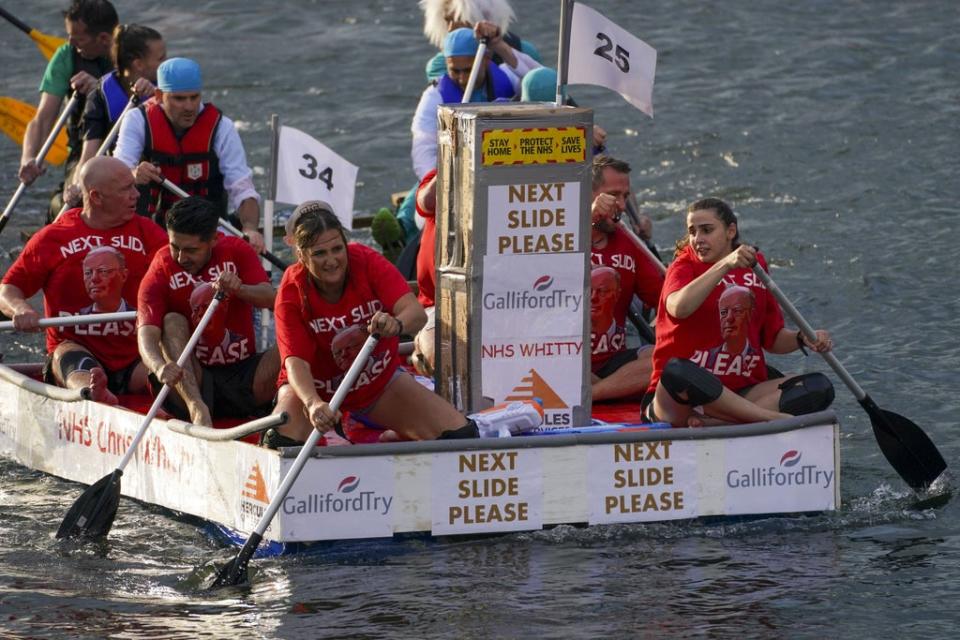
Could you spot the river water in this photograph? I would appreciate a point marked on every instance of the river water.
(832, 128)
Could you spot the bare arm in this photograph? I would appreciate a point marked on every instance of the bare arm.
(407, 311)
(14, 305)
(788, 341)
(249, 214)
(36, 133)
(151, 353)
(683, 302)
(301, 379)
(260, 295)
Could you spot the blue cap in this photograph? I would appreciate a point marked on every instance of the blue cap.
(460, 42)
(539, 85)
(179, 74)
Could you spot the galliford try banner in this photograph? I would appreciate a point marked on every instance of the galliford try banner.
(533, 298)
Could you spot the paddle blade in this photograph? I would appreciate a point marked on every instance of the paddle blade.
(15, 115)
(909, 450)
(91, 516)
(234, 573)
(46, 43)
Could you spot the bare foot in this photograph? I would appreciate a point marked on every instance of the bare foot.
(98, 387)
(389, 436)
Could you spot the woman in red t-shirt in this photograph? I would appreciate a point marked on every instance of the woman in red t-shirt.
(327, 303)
(715, 319)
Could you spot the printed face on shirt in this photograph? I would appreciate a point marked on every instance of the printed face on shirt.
(604, 291)
(459, 68)
(189, 251)
(182, 107)
(326, 260)
(736, 307)
(346, 345)
(103, 278)
(200, 299)
(710, 238)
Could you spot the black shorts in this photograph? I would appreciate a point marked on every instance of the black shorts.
(647, 414)
(226, 390)
(118, 382)
(617, 360)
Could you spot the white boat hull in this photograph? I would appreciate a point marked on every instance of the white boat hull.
(369, 491)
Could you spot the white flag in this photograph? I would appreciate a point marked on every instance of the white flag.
(308, 170)
(603, 54)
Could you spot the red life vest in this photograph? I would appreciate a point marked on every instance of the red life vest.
(189, 162)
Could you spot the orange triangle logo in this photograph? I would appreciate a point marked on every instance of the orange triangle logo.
(255, 487)
(533, 386)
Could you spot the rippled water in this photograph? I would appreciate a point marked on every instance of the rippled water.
(832, 128)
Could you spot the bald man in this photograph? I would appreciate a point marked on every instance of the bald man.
(52, 261)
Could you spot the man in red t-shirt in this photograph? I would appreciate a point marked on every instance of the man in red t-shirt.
(102, 356)
(225, 376)
(618, 372)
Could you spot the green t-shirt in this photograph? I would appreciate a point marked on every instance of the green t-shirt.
(56, 78)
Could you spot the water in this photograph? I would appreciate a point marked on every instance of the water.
(832, 127)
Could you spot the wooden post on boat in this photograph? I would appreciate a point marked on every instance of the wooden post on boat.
(513, 255)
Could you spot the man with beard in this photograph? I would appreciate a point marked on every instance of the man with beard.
(221, 379)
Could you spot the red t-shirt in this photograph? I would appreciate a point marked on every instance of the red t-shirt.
(52, 260)
(638, 276)
(426, 260)
(698, 337)
(323, 333)
(167, 288)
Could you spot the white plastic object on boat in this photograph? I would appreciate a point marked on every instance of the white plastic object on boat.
(505, 420)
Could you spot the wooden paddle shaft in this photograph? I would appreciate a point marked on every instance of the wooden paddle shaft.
(70, 321)
(809, 332)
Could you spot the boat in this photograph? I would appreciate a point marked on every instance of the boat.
(604, 474)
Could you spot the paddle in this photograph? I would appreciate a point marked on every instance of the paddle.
(235, 572)
(58, 125)
(46, 43)
(474, 71)
(908, 449)
(266, 255)
(15, 115)
(91, 516)
(70, 321)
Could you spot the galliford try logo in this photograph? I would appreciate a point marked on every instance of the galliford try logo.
(349, 497)
(541, 295)
(790, 472)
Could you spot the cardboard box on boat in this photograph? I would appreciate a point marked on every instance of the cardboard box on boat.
(512, 257)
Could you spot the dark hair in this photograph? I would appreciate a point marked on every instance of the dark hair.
(602, 162)
(313, 219)
(193, 216)
(98, 16)
(131, 42)
(724, 213)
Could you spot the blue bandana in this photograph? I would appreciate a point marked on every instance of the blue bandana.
(179, 74)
